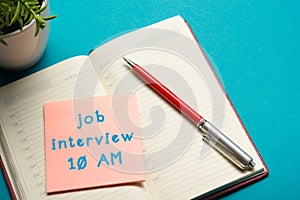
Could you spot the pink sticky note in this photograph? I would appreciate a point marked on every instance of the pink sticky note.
(92, 142)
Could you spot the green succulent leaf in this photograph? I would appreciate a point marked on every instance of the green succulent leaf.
(21, 23)
(49, 17)
(37, 29)
(16, 14)
(3, 42)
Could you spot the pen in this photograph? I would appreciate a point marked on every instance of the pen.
(211, 134)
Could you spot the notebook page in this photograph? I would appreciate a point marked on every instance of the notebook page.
(21, 105)
(178, 163)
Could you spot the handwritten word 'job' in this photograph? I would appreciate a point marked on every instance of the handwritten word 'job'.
(89, 119)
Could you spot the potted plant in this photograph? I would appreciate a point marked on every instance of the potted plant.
(24, 32)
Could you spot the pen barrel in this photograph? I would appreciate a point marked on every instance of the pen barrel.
(225, 146)
(167, 94)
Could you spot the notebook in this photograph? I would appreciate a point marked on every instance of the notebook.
(178, 164)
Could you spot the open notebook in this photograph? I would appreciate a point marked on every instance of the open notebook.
(178, 164)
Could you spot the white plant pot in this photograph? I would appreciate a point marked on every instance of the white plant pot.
(23, 49)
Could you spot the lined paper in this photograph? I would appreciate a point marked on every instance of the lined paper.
(23, 127)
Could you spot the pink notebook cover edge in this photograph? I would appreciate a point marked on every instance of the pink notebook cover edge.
(7, 180)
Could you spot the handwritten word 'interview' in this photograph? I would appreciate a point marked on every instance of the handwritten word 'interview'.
(88, 141)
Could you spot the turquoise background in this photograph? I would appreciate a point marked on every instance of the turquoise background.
(255, 45)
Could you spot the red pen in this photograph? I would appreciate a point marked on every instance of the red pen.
(211, 134)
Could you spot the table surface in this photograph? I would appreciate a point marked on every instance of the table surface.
(254, 44)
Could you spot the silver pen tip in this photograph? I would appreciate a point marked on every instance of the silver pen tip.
(129, 62)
